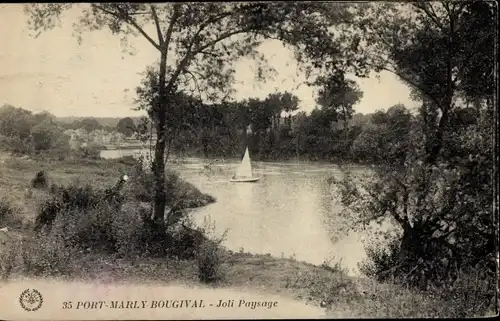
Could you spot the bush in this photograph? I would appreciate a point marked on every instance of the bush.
(65, 199)
(15, 145)
(46, 136)
(103, 221)
(381, 259)
(87, 229)
(88, 152)
(471, 295)
(127, 160)
(46, 256)
(91, 219)
(323, 285)
(8, 255)
(6, 211)
(40, 180)
(210, 256)
(129, 230)
(179, 193)
(8, 214)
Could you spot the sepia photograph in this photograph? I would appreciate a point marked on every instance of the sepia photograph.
(248, 160)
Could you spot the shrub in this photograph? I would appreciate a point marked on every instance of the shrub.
(6, 211)
(88, 152)
(210, 256)
(179, 193)
(47, 135)
(46, 255)
(8, 255)
(15, 145)
(40, 180)
(322, 285)
(66, 199)
(209, 259)
(472, 294)
(79, 197)
(380, 260)
(8, 214)
(127, 160)
(128, 226)
(186, 240)
(87, 229)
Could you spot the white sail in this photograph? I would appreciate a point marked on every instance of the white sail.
(245, 168)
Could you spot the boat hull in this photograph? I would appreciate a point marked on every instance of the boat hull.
(244, 180)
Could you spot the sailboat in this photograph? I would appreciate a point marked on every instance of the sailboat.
(244, 172)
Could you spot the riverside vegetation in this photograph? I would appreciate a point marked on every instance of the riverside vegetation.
(110, 239)
(433, 167)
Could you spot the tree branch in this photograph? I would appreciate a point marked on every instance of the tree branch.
(195, 81)
(222, 37)
(430, 13)
(157, 24)
(126, 18)
(409, 81)
(175, 16)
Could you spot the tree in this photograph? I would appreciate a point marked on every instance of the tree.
(434, 198)
(126, 126)
(15, 122)
(47, 135)
(281, 102)
(385, 139)
(44, 116)
(89, 124)
(337, 96)
(197, 43)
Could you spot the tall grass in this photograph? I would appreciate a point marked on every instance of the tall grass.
(78, 219)
(210, 255)
(9, 214)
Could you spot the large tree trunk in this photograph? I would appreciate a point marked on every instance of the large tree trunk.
(159, 162)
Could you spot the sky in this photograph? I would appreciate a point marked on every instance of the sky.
(54, 73)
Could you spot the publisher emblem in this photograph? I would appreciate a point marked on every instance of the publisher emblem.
(31, 299)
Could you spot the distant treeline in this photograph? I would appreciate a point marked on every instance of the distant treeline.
(271, 128)
(273, 133)
(24, 132)
(104, 122)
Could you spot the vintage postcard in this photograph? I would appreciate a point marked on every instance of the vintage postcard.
(250, 160)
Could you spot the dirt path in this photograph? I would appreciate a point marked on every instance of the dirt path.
(146, 302)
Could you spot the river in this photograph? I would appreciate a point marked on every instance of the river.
(289, 212)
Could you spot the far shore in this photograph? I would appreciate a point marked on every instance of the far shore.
(216, 159)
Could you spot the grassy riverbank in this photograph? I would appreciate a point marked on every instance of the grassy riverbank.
(325, 285)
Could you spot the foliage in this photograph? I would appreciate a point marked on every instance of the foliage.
(197, 46)
(89, 124)
(40, 180)
(44, 257)
(221, 130)
(8, 213)
(65, 199)
(433, 178)
(337, 96)
(88, 152)
(180, 194)
(26, 133)
(48, 136)
(15, 122)
(385, 138)
(126, 126)
(209, 254)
